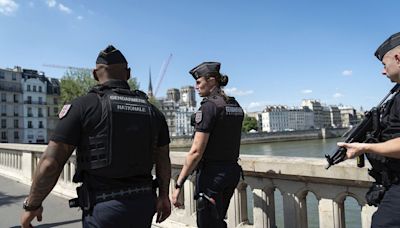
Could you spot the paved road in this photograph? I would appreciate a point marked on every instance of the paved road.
(56, 211)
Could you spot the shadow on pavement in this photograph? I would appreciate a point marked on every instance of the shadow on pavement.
(9, 199)
(55, 224)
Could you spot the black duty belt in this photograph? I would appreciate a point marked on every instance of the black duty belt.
(113, 194)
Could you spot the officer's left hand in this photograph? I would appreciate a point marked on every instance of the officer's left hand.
(175, 197)
(353, 149)
(28, 216)
(163, 208)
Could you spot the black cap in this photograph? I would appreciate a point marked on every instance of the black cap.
(110, 56)
(206, 69)
(392, 42)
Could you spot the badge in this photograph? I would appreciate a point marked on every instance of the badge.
(64, 111)
(198, 117)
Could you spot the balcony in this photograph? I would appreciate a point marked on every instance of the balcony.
(35, 102)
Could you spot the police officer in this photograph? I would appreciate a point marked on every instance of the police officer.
(215, 148)
(385, 155)
(118, 134)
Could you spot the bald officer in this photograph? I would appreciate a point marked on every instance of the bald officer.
(117, 134)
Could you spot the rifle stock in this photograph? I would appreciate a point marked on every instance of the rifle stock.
(366, 131)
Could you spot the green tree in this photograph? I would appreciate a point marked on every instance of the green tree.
(249, 123)
(78, 82)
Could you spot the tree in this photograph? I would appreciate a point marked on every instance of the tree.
(249, 123)
(78, 82)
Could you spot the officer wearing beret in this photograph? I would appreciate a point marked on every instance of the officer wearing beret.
(215, 148)
(384, 156)
(118, 135)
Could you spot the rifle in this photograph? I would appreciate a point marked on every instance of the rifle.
(366, 132)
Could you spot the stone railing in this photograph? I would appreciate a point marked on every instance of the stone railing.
(269, 181)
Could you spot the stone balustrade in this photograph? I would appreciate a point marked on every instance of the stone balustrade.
(255, 202)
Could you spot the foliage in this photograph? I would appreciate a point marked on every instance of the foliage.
(78, 82)
(249, 123)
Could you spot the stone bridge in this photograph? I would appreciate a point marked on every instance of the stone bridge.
(276, 190)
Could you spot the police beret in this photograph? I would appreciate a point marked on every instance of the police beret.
(206, 69)
(392, 42)
(110, 55)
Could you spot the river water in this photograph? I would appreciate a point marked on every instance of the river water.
(305, 148)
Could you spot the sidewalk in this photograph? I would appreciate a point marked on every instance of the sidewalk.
(56, 211)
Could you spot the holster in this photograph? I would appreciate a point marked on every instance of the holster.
(85, 200)
(204, 203)
(375, 194)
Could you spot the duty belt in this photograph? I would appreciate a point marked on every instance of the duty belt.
(86, 199)
(109, 195)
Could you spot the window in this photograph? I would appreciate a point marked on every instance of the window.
(29, 100)
(1, 74)
(40, 89)
(28, 88)
(30, 112)
(16, 135)
(40, 124)
(16, 124)
(15, 98)
(55, 101)
(34, 88)
(55, 110)
(3, 123)
(3, 97)
(40, 113)
(3, 110)
(14, 76)
(40, 100)
(3, 135)
(30, 124)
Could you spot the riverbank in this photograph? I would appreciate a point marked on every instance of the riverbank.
(265, 137)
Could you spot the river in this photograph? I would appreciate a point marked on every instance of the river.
(305, 148)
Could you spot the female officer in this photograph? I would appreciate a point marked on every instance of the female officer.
(215, 148)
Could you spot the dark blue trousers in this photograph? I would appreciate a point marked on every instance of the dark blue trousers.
(135, 211)
(217, 181)
(388, 213)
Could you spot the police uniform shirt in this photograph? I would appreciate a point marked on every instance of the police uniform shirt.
(85, 112)
(206, 116)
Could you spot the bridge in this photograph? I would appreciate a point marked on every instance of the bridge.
(275, 192)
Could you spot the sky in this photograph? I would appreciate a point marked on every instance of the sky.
(275, 52)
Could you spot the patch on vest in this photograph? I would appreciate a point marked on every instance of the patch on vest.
(199, 117)
(64, 111)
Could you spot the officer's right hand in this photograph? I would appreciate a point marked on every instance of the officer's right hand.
(175, 198)
(28, 216)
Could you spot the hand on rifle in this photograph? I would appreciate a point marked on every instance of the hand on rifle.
(353, 149)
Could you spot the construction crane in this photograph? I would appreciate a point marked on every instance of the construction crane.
(163, 70)
(66, 67)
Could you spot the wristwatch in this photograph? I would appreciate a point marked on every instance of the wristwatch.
(177, 185)
(27, 207)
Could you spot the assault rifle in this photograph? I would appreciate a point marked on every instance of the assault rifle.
(365, 132)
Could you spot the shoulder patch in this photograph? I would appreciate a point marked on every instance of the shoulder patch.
(199, 117)
(64, 111)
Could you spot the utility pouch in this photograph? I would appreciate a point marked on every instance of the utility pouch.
(375, 194)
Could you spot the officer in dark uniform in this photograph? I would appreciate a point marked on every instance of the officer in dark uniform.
(215, 148)
(385, 155)
(118, 135)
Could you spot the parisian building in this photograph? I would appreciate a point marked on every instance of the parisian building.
(281, 118)
(28, 106)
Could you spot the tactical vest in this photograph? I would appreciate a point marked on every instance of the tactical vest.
(224, 141)
(120, 145)
(384, 165)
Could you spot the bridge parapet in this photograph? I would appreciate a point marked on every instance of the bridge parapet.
(293, 177)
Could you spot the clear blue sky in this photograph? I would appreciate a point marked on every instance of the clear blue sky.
(274, 52)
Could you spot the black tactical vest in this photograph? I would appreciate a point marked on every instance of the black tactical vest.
(224, 141)
(120, 145)
(388, 119)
